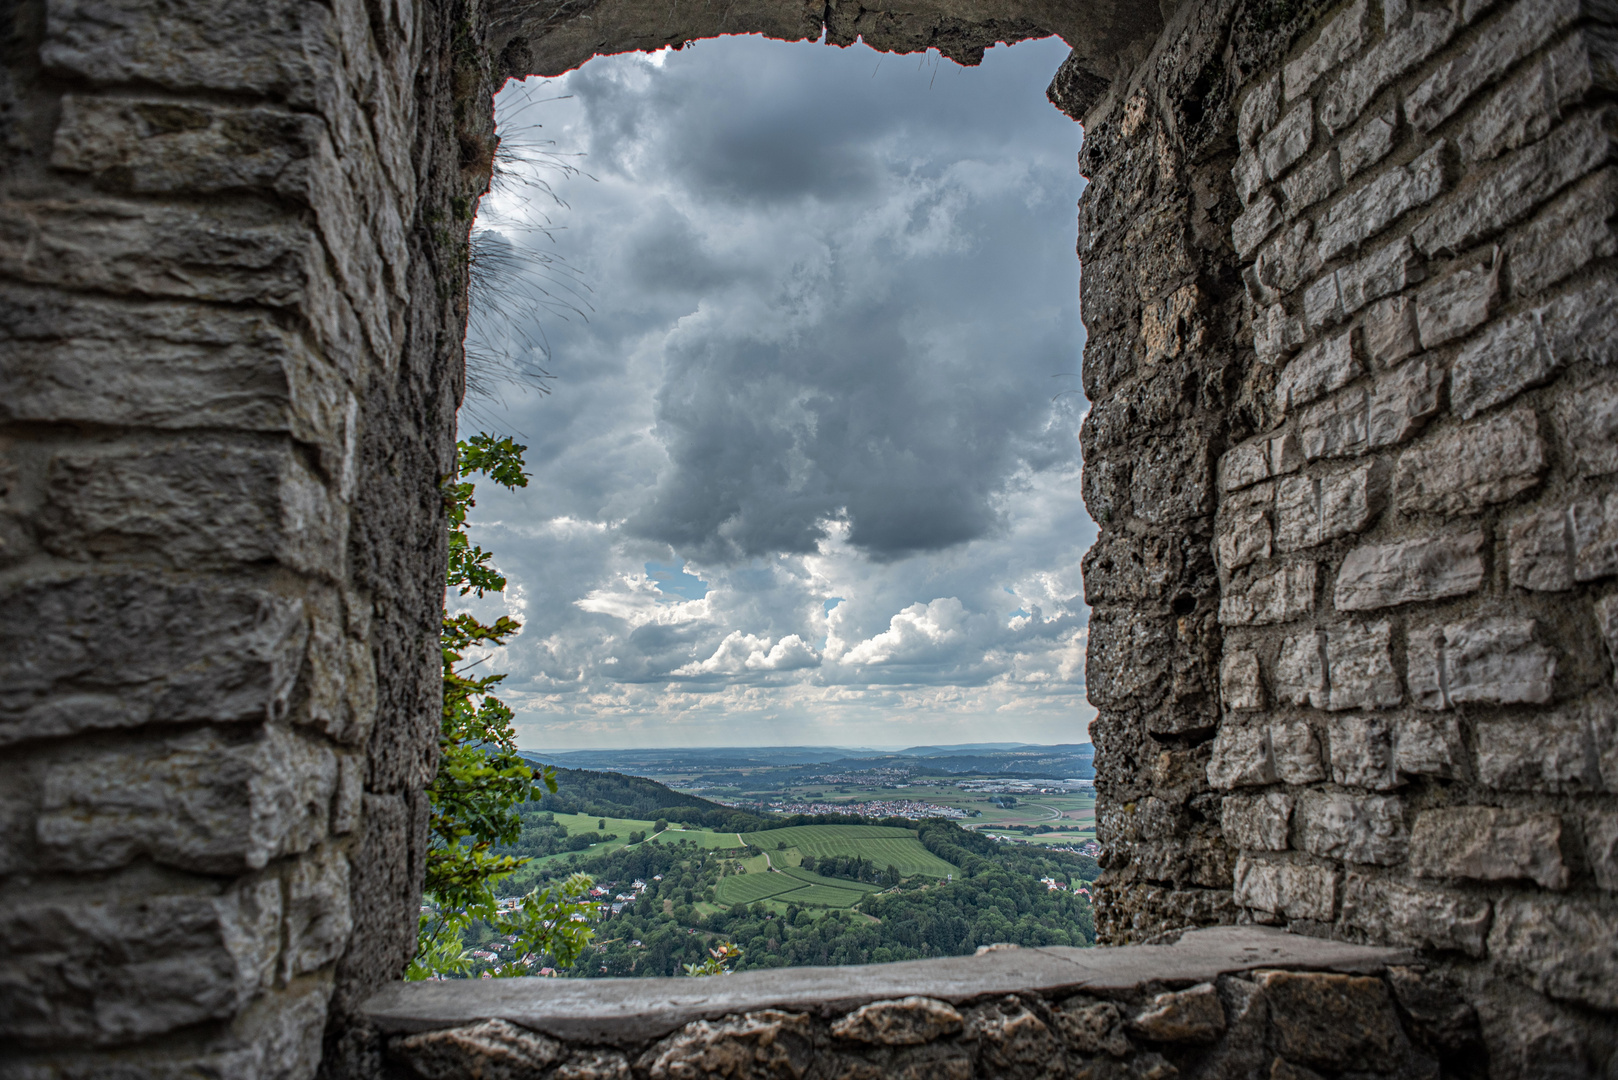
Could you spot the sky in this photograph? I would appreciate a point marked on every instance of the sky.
(808, 470)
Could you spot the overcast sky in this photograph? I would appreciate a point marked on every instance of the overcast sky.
(810, 470)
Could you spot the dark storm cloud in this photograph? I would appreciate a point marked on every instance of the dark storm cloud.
(833, 298)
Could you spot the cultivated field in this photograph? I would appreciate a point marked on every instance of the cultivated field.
(790, 885)
(883, 846)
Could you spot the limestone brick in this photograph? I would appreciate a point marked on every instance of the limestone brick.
(1432, 568)
(1587, 420)
(1315, 510)
(1281, 596)
(1296, 890)
(1288, 140)
(1241, 758)
(1296, 752)
(1240, 687)
(1593, 524)
(1333, 1022)
(1529, 349)
(1464, 469)
(1341, 293)
(1255, 224)
(1601, 847)
(1606, 612)
(1390, 331)
(1252, 462)
(1527, 105)
(1567, 947)
(1404, 400)
(1260, 109)
(1317, 371)
(908, 1021)
(1416, 915)
(1428, 746)
(1353, 828)
(1368, 144)
(1545, 753)
(1362, 752)
(1256, 822)
(1454, 306)
(1300, 670)
(1338, 40)
(1312, 183)
(1347, 94)
(1243, 528)
(1570, 233)
(1483, 843)
(1540, 551)
(317, 919)
(1487, 660)
(1337, 427)
(1390, 195)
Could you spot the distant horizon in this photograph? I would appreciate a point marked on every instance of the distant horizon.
(885, 748)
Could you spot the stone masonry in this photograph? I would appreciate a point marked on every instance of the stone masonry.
(1348, 282)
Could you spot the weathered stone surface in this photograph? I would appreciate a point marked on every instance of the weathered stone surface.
(594, 1065)
(196, 801)
(1288, 140)
(1354, 828)
(1601, 848)
(1275, 333)
(114, 970)
(1092, 1027)
(1339, 294)
(1295, 890)
(1278, 597)
(1390, 331)
(1403, 400)
(1243, 528)
(1483, 843)
(1494, 661)
(1332, 1021)
(1368, 210)
(1280, 266)
(1415, 915)
(1296, 752)
(1240, 687)
(1573, 231)
(1014, 1041)
(1606, 612)
(1513, 187)
(1362, 752)
(1299, 677)
(1369, 144)
(1256, 822)
(1594, 528)
(1340, 39)
(1464, 469)
(492, 1050)
(1568, 947)
(1191, 1015)
(316, 918)
(1386, 575)
(1360, 667)
(123, 651)
(1348, 93)
(1539, 549)
(1454, 306)
(1587, 418)
(1254, 225)
(1545, 753)
(768, 1043)
(1317, 371)
(1310, 184)
(1241, 758)
(908, 1021)
(1260, 109)
(1338, 427)
(1428, 746)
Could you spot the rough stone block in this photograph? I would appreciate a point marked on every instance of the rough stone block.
(1414, 915)
(1403, 400)
(1239, 685)
(134, 650)
(316, 920)
(1362, 752)
(1390, 331)
(1332, 1021)
(1296, 890)
(1601, 847)
(1282, 596)
(1524, 28)
(1567, 947)
(198, 801)
(1484, 843)
(1275, 333)
(1529, 104)
(1594, 527)
(1313, 182)
(1282, 264)
(1260, 109)
(1012, 1040)
(1300, 670)
(1288, 140)
(1587, 418)
(1553, 752)
(1409, 571)
(193, 503)
(598, 1064)
(1361, 149)
(1256, 822)
(1190, 1015)
(1259, 460)
(768, 1043)
(1312, 511)
(1241, 758)
(1529, 349)
(1456, 305)
(1255, 224)
(908, 1021)
(1353, 828)
(109, 970)
(1491, 661)
(1515, 185)
(1340, 39)
(1248, 175)
(1540, 551)
(493, 1049)
(1384, 272)
(1242, 531)
(1428, 746)
(1091, 1026)
(1367, 211)
(1466, 468)
(1348, 93)
(1606, 612)
(1296, 752)
(1573, 231)
(1317, 371)
(1338, 427)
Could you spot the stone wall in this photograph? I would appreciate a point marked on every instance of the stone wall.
(232, 262)
(1348, 279)
(1227, 1003)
